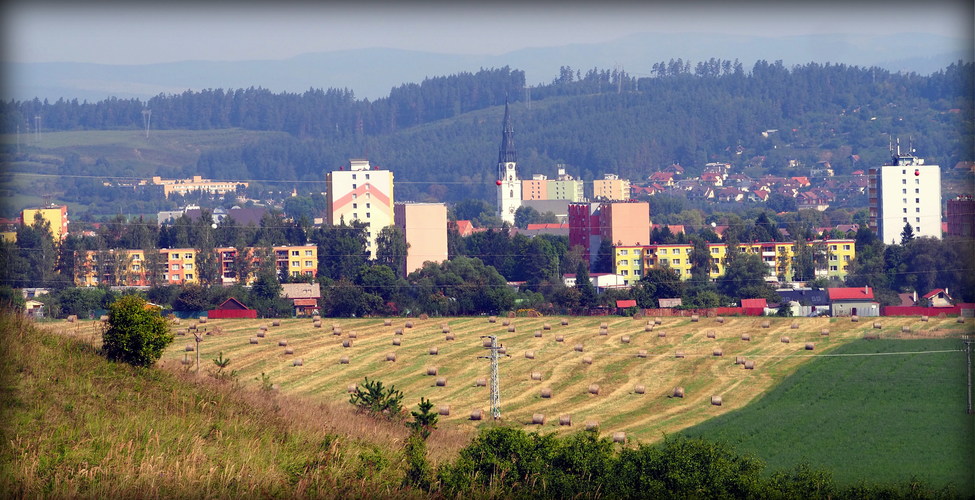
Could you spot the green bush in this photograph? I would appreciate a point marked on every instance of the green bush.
(136, 334)
(378, 400)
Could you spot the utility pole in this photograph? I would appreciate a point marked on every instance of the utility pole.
(495, 383)
(968, 357)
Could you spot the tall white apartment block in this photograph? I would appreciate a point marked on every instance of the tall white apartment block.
(905, 192)
(362, 193)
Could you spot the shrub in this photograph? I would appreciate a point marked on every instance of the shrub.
(373, 397)
(137, 334)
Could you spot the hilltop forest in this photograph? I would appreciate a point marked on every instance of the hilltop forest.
(441, 136)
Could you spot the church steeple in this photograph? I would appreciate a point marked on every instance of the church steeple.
(509, 187)
(507, 152)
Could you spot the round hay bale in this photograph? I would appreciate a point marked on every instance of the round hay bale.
(625, 339)
(409, 324)
(679, 354)
(960, 319)
(253, 340)
(587, 360)
(434, 351)
(297, 362)
(263, 328)
(104, 318)
(449, 336)
(502, 350)
(73, 318)
(424, 316)
(346, 342)
(181, 332)
(785, 340)
(191, 328)
(854, 318)
(396, 341)
(480, 382)
(559, 338)
(594, 389)
(506, 322)
(273, 323)
(546, 392)
(261, 334)
(352, 388)
(658, 321)
(642, 353)
(905, 329)
(678, 392)
(390, 356)
(529, 354)
(717, 352)
(640, 389)
(604, 325)
(719, 319)
(398, 331)
(577, 348)
(387, 322)
(716, 400)
(190, 348)
(794, 325)
(546, 326)
(316, 317)
(441, 381)
(431, 370)
(592, 425)
(877, 325)
(444, 410)
(648, 328)
(661, 334)
(924, 319)
(511, 329)
(477, 414)
(493, 319)
(619, 437)
(739, 360)
(746, 337)
(289, 351)
(824, 332)
(749, 364)
(486, 342)
(603, 332)
(202, 319)
(353, 335)
(810, 346)
(695, 318)
(318, 324)
(445, 329)
(282, 343)
(344, 360)
(565, 322)
(538, 419)
(538, 334)
(766, 324)
(536, 375)
(565, 420)
(712, 334)
(176, 321)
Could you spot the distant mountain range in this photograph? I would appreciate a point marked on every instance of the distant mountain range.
(371, 73)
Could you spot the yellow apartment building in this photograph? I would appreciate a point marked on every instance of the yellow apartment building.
(56, 215)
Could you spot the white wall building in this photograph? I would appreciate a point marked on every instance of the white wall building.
(362, 193)
(905, 192)
(509, 187)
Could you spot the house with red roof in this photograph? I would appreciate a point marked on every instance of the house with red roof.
(662, 178)
(464, 227)
(857, 301)
(938, 298)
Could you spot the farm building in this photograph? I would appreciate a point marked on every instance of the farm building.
(232, 308)
(811, 302)
(853, 302)
(303, 296)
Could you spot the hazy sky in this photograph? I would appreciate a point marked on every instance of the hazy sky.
(137, 33)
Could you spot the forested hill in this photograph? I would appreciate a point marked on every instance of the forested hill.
(441, 136)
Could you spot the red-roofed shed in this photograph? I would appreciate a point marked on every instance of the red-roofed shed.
(232, 308)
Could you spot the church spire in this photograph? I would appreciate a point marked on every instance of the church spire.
(507, 152)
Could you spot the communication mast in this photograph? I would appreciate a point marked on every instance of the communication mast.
(146, 118)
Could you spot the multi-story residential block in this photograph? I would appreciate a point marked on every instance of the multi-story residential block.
(961, 216)
(180, 265)
(564, 187)
(622, 224)
(628, 262)
(425, 227)
(112, 267)
(611, 188)
(197, 183)
(296, 261)
(535, 188)
(362, 193)
(905, 192)
(55, 215)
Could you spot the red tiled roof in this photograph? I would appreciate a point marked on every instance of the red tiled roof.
(858, 293)
(754, 303)
(934, 292)
(306, 302)
(625, 303)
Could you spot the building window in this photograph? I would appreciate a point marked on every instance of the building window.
(917, 191)
(676, 262)
(917, 181)
(846, 247)
(637, 272)
(353, 176)
(354, 186)
(846, 258)
(368, 205)
(136, 267)
(917, 200)
(189, 276)
(714, 250)
(676, 251)
(832, 268)
(903, 181)
(295, 263)
(294, 253)
(663, 251)
(905, 219)
(625, 272)
(904, 190)
(187, 266)
(175, 267)
(368, 215)
(918, 220)
(308, 263)
(356, 205)
(367, 176)
(355, 215)
(623, 252)
(917, 210)
(307, 253)
(624, 263)
(905, 210)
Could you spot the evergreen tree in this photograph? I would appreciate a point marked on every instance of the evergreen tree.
(587, 292)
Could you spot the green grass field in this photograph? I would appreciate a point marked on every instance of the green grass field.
(879, 418)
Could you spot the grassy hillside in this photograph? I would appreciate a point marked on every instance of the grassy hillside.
(75, 425)
(868, 415)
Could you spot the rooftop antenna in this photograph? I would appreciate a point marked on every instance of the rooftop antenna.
(146, 118)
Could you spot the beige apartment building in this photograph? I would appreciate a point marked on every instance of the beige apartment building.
(425, 228)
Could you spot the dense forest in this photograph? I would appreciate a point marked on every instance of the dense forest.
(440, 136)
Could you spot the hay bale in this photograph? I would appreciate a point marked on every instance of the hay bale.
(424, 316)
(511, 329)
(658, 321)
(678, 392)
(391, 356)
(604, 325)
(546, 392)
(695, 318)
(289, 351)
(502, 350)
(559, 338)
(262, 328)
(253, 340)
(587, 360)
(396, 341)
(619, 437)
(746, 337)
(486, 342)
(766, 324)
(444, 410)
(441, 381)
(282, 343)
(717, 352)
(529, 354)
(104, 318)
(960, 319)
(716, 400)
(648, 328)
(538, 334)
(449, 336)
(431, 370)
(794, 325)
(924, 319)
(480, 382)
(316, 317)
(719, 319)
(261, 334)
(640, 389)
(577, 348)
(336, 326)
(190, 348)
(603, 332)
(73, 318)
(344, 360)
(202, 319)
(353, 335)
(824, 332)
(387, 322)
(661, 334)
(477, 414)
(854, 318)
(181, 332)
(546, 326)
(749, 364)
(810, 346)
(409, 324)
(434, 351)
(318, 324)
(565, 322)
(679, 355)
(398, 331)
(536, 375)
(297, 362)
(352, 388)
(785, 340)
(346, 342)
(506, 322)
(493, 319)
(592, 425)
(642, 353)
(712, 334)
(594, 389)
(445, 329)
(905, 329)
(625, 339)
(273, 323)
(877, 325)
(739, 360)
(565, 420)
(538, 419)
